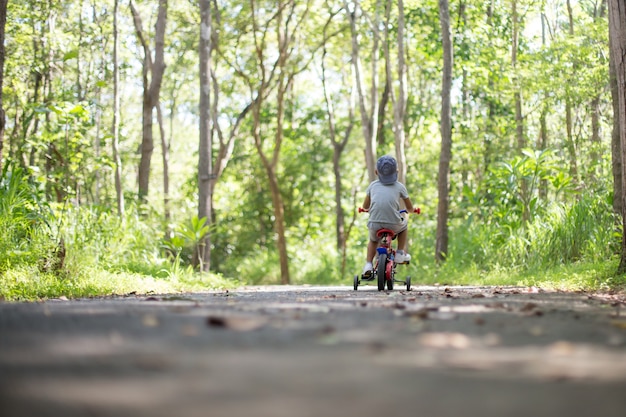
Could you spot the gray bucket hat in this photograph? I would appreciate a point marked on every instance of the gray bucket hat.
(387, 168)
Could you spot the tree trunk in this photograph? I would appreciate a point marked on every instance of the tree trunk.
(165, 155)
(519, 118)
(617, 29)
(569, 124)
(338, 148)
(205, 158)
(616, 149)
(369, 117)
(270, 167)
(151, 90)
(277, 200)
(596, 141)
(3, 20)
(443, 183)
(398, 100)
(116, 114)
(542, 141)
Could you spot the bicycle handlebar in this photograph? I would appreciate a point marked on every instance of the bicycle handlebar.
(416, 210)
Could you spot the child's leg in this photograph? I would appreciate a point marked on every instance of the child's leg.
(402, 238)
(371, 250)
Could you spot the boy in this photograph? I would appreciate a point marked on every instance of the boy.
(382, 199)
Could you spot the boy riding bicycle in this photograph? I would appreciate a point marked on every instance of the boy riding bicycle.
(382, 200)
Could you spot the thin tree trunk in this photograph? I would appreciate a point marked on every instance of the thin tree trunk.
(400, 102)
(519, 118)
(443, 183)
(369, 117)
(277, 200)
(165, 155)
(151, 90)
(3, 20)
(270, 167)
(542, 142)
(338, 148)
(596, 141)
(116, 114)
(205, 158)
(569, 124)
(616, 149)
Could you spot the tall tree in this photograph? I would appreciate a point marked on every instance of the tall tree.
(616, 147)
(3, 21)
(339, 140)
(115, 140)
(517, 88)
(569, 122)
(399, 99)
(205, 157)
(369, 115)
(152, 76)
(617, 30)
(443, 182)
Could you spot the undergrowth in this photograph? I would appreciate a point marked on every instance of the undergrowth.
(49, 251)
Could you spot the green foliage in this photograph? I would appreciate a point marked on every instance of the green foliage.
(515, 214)
(25, 219)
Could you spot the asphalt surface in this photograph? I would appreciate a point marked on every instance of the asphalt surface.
(317, 351)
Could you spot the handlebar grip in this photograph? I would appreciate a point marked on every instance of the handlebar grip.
(362, 210)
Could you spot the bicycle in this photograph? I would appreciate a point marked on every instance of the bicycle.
(385, 266)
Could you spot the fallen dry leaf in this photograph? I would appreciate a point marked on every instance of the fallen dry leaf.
(189, 330)
(562, 348)
(150, 320)
(445, 340)
(242, 324)
(621, 324)
(528, 307)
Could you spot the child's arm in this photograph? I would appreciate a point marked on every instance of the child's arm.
(367, 202)
(408, 204)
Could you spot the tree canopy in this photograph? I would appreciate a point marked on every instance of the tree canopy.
(302, 94)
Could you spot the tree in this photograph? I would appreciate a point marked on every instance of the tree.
(115, 140)
(151, 88)
(369, 116)
(443, 183)
(339, 141)
(3, 20)
(616, 151)
(399, 99)
(205, 157)
(617, 30)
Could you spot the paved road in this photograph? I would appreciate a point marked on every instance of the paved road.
(317, 351)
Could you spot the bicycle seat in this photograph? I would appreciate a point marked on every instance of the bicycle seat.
(381, 232)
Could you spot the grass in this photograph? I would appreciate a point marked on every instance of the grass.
(568, 248)
(29, 284)
(579, 276)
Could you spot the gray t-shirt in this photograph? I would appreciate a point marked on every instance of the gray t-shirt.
(385, 202)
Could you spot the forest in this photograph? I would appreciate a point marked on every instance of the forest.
(179, 145)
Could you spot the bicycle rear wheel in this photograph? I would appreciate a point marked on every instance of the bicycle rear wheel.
(389, 275)
(381, 270)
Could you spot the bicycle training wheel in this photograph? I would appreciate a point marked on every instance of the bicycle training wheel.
(356, 282)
